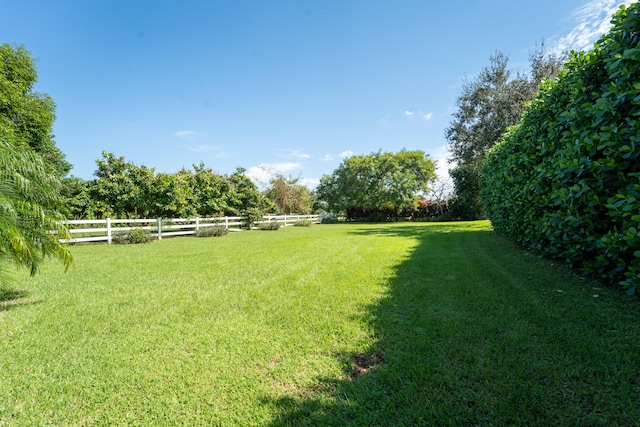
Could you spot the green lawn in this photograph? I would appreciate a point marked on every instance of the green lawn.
(347, 324)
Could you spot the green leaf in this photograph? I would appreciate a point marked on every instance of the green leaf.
(631, 53)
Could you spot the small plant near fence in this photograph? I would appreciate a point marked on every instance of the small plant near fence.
(135, 236)
(215, 231)
(270, 225)
(303, 223)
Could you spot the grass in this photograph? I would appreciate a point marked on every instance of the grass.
(395, 324)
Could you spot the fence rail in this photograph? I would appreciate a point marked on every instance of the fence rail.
(101, 230)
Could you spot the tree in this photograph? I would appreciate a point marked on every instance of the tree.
(487, 107)
(25, 116)
(288, 196)
(172, 196)
(30, 225)
(210, 191)
(77, 202)
(466, 201)
(440, 195)
(441, 190)
(378, 182)
(122, 189)
(243, 195)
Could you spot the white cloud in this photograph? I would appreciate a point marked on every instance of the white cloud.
(443, 185)
(412, 114)
(284, 167)
(298, 154)
(327, 157)
(310, 183)
(590, 22)
(262, 173)
(259, 175)
(347, 153)
(186, 134)
(441, 156)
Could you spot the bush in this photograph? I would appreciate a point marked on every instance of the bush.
(270, 225)
(135, 236)
(566, 180)
(119, 238)
(303, 223)
(215, 231)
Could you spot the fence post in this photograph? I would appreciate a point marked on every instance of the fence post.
(159, 221)
(226, 222)
(197, 224)
(109, 231)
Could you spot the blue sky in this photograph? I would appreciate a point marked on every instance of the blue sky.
(276, 86)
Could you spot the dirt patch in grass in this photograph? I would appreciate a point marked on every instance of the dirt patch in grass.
(362, 364)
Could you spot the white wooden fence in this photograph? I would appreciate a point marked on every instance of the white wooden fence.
(100, 230)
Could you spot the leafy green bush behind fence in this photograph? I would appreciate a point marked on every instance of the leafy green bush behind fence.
(566, 180)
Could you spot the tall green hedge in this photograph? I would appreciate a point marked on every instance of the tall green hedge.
(566, 180)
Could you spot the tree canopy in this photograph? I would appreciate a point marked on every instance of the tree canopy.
(30, 168)
(378, 181)
(123, 189)
(488, 105)
(27, 116)
(288, 196)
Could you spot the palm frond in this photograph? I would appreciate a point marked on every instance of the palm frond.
(30, 225)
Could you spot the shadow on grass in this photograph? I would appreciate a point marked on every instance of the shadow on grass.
(474, 332)
(9, 298)
(409, 229)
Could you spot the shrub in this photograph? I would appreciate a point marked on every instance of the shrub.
(566, 180)
(119, 237)
(269, 225)
(135, 236)
(215, 231)
(139, 235)
(303, 223)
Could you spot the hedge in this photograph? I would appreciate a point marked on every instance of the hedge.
(566, 180)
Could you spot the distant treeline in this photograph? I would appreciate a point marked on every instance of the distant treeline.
(420, 210)
(124, 190)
